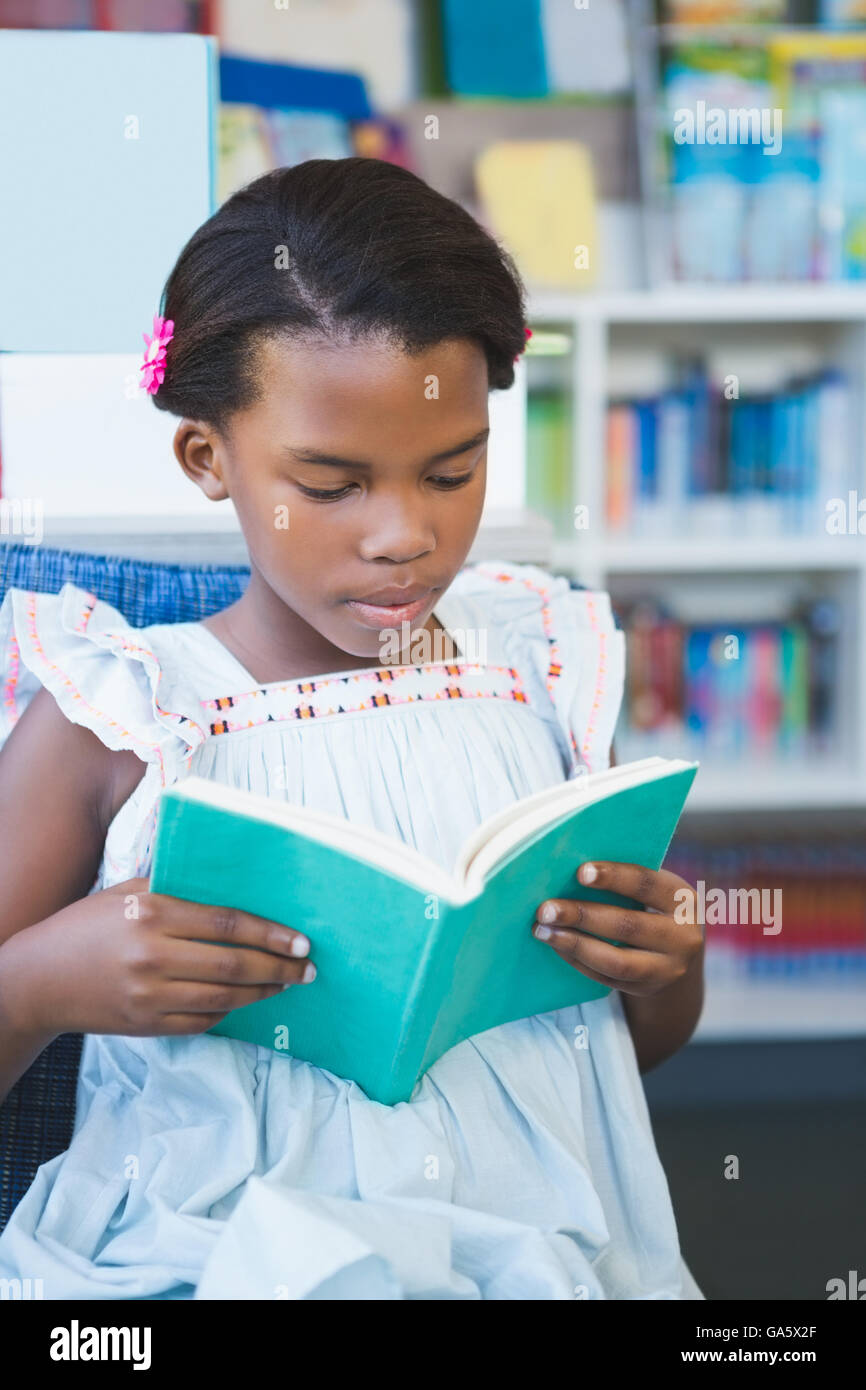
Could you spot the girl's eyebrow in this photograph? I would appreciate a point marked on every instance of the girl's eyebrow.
(334, 461)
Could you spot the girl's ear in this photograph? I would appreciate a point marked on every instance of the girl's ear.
(198, 449)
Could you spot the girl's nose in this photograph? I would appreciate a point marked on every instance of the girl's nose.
(400, 533)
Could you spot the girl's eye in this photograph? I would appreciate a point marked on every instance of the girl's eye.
(323, 495)
(452, 482)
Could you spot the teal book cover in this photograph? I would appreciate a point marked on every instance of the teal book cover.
(411, 960)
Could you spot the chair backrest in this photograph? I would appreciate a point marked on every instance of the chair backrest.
(37, 1117)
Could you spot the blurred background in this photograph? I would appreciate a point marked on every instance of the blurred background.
(683, 185)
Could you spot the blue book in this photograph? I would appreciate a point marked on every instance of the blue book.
(410, 959)
(495, 48)
(282, 86)
(697, 675)
(646, 412)
(107, 165)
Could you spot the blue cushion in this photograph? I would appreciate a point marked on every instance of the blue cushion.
(37, 1116)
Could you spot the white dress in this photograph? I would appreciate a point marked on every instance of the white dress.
(523, 1166)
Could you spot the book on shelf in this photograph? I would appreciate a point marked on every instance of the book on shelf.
(162, 16)
(535, 48)
(725, 464)
(723, 11)
(411, 958)
(538, 197)
(275, 115)
(778, 197)
(787, 910)
(731, 693)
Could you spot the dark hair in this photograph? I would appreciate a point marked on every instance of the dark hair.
(334, 247)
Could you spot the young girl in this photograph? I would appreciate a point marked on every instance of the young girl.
(330, 338)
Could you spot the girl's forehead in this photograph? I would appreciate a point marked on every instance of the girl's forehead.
(350, 360)
(354, 382)
(372, 405)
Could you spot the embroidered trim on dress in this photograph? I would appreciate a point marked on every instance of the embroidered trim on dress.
(86, 613)
(554, 667)
(11, 683)
(75, 692)
(396, 685)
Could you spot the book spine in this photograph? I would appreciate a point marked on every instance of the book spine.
(425, 1000)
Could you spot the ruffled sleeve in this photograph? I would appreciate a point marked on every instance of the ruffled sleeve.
(566, 642)
(103, 675)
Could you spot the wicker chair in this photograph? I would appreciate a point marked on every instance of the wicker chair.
(37, 1117)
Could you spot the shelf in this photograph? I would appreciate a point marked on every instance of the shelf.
(752, 787)
(756, 32)
(782, 1010)
(639, 556)
(711, 303)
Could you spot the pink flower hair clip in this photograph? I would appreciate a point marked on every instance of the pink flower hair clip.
(528, 332)
(153, 365)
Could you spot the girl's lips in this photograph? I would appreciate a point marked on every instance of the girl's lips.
(388, 615)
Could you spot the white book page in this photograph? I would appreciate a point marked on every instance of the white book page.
(358, 841)
(492, 842)
(559, 799)
(543, 809)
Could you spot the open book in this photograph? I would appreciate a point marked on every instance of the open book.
(411, 959)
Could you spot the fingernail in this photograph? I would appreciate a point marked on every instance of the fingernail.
(548, 913)
(541, 932)
(300, 946)
(588, 873)
(309, 973)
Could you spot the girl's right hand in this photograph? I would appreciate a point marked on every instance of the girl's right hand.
(128, 961)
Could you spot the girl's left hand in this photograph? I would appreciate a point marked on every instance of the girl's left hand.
(660, 947)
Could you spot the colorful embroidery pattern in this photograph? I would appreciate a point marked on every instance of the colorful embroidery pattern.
(99, 715)
(554, 662)
(85, 614)
(12, 681)
(600, 676)
(363, 690)
(133, 649)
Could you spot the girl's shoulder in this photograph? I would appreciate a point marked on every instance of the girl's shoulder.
(524, 594)
(561, 638)
(103, 673)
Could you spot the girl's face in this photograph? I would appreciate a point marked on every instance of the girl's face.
(358, 479)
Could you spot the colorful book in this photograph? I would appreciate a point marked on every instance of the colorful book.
(287, 87)
(539, 199)
(411, 959)
(759, 691)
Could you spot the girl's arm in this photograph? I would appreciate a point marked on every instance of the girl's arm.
(124, 960)
(60, 788)
(660, 1024)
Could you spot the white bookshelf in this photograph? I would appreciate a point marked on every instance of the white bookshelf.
(680, 303)
(833, 321)
(782, 1010)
